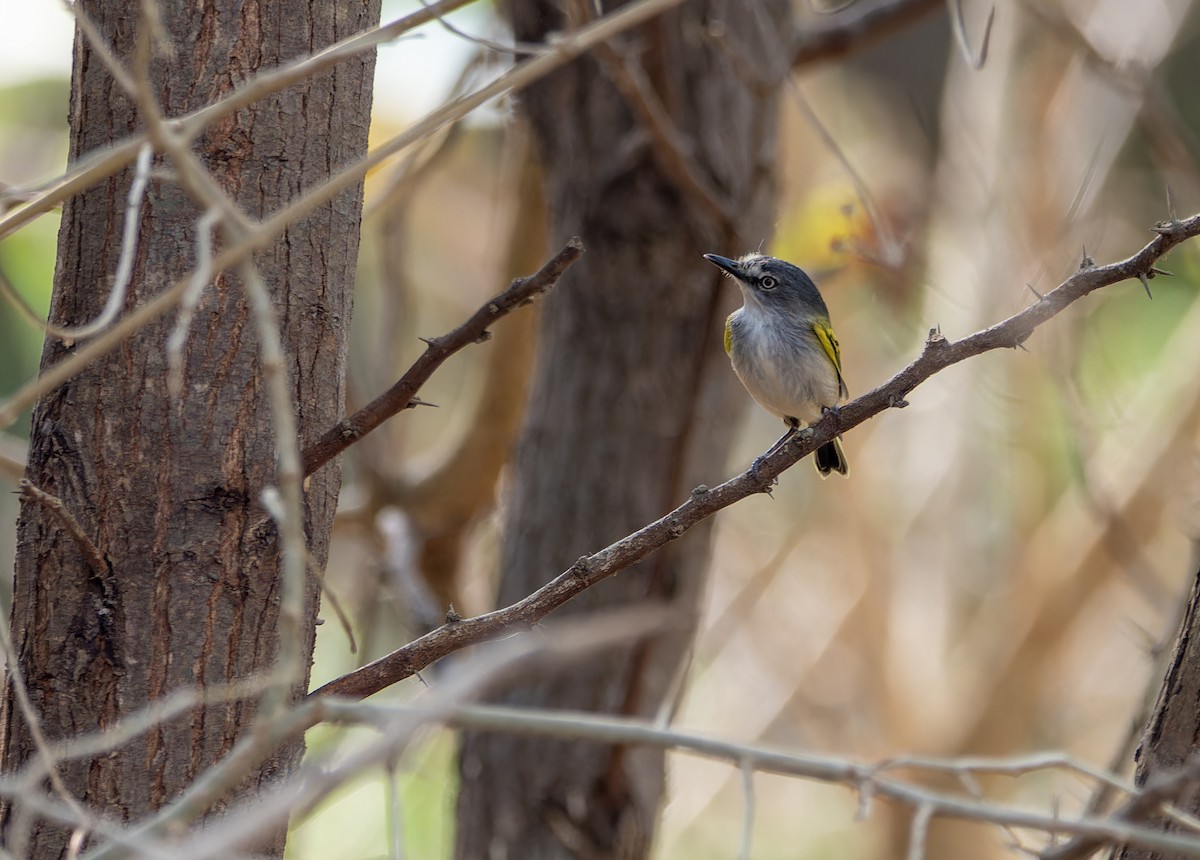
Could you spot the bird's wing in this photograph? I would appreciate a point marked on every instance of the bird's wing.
(829, 343)
(729, 333)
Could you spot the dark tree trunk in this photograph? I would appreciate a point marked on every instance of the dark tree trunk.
(168, 490)
(633, 402)
(1172, 738)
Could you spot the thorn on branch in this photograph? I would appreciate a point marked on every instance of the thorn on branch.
(1041, 298)
(452, 616)
(1171, 205)
(935, 338)
(1086, 262)
(400, 395)
(1144, 277)
(417, 401)
(1171, 227)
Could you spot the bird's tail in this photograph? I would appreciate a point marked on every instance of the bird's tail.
(831, 458)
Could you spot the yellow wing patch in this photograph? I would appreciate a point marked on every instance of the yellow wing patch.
(829, 343)
(729, 333)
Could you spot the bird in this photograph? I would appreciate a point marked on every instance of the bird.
(783, 349)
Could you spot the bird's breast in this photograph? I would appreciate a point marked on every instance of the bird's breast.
(784, 367)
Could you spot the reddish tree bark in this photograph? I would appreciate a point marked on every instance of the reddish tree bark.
(168, 490)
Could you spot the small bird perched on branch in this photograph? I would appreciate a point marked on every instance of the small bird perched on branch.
(783, 348)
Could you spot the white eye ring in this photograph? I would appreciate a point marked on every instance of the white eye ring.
(767, 282)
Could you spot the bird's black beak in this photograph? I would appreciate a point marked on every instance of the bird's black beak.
(730, 267)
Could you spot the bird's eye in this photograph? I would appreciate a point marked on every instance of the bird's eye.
(766, 282)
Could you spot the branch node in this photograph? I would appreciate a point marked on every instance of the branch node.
(935, 338)
(700, 491)
(1086, 262)
(896, 402)
(676, 529)
(484, 336)
(493, 308)
(582, 566)
(452, 616)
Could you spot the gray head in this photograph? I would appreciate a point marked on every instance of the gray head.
(772, 284)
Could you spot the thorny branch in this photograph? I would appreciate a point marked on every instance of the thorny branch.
(939, 353)
(475, 330)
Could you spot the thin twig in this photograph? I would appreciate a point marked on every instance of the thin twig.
(116, 296)
(920, 831)
(87, 548)
(100, 166)
(518, 49)
(676, 154)
(201, 275)
(939, 353)
(974, 60)
(746, 766)
(858, 27)
(892, 250)
(14, 453)
(1160, 789)
(399, 397)
(329, 594)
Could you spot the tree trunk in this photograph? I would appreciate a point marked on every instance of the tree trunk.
(633, 402)
(168, 489)
(1170, 741)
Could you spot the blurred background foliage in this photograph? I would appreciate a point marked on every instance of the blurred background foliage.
(1006, 563)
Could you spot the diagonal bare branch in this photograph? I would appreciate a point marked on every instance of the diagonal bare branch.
(939, 354)
(400, 396)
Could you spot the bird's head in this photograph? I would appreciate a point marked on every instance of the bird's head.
(770, 283)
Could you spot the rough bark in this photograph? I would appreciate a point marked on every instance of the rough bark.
(168, 489)
(632, 401)
(1168, 753)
